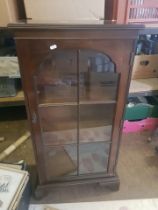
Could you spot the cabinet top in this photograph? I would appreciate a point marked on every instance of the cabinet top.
(88, 30)
(73, 25)
(93, 29)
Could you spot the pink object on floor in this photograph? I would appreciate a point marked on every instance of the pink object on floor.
(142, 125)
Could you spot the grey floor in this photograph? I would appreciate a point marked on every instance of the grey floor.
(137, 168)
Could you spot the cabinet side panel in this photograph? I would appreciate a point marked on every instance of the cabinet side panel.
(27, 69)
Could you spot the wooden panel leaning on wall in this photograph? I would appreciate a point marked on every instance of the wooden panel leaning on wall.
(11, 11)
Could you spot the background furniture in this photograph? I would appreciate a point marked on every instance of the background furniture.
(142, 108)
(10, 83)
(132, 11)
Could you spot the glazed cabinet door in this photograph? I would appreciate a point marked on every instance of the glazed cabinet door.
(56, 90)
(72, 98)
(51, 90)
(98, 83)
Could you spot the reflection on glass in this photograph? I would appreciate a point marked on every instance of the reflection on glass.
(59, 124)
(93, 157)
(95, 122)
(61, 161)
(76, 92)
(98, 80)
(56, 80)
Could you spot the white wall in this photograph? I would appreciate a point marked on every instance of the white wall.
(64, 10)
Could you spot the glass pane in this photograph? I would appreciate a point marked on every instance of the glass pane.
(96, 122)
(61, 161)
(97, 99)
(93, 157)
(58, 124)
(98, 80)
(56, 79)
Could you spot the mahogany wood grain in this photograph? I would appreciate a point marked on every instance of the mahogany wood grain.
(33, 46)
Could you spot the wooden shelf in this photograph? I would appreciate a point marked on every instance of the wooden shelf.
(75, 103)
(144, 86)
(97, 102)
(94, 134)
(68, 96)
(58, 104)
(18, 99)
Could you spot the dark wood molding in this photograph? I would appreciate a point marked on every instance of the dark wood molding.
(113, 183)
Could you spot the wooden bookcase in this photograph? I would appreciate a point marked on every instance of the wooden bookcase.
(76, 80)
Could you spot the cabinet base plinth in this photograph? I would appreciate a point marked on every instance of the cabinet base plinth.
(110, 182)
